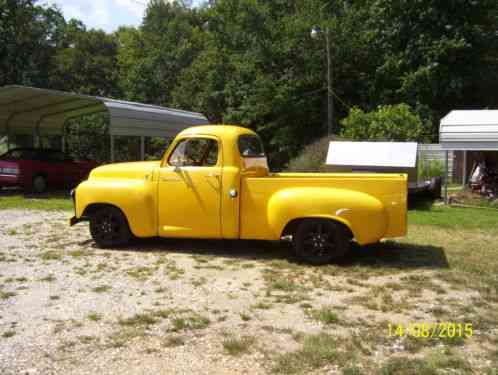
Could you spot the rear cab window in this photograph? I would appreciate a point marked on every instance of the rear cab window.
(250, 146)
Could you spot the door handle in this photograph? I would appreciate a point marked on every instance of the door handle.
(212, 174)
(169, 179)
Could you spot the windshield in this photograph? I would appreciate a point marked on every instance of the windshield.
(250, 146)
(19, 154)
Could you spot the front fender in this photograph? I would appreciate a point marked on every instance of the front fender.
(362, 213)
(135, 198)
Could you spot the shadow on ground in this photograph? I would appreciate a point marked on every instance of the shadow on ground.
(12, 192)
(420, 202)
(397, 255)
(388, 254)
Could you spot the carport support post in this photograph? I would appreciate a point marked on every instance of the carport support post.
(112, 148)
(446, 177)
(142, 147)
(464, 171)
(36, 137)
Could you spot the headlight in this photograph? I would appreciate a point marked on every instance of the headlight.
(9, 171)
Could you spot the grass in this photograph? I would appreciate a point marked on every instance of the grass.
(455, 218)
(262, 306)
(85, 339)
(192, 322)
(8, 334)
(325, 315)
(317, 350)
(141, 319)
(141, 273)
(173, 341)
(94, 317)
(122, 337)
(51, 202)
(245, 317)
(438, 361)
(49, 278)
(236, 346)
(447, 250)
(51, 255)
(6, 295)
(101, 289)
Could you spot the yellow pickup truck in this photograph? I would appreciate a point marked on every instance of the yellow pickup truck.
(214, 182)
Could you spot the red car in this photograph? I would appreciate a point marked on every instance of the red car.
(38, 169)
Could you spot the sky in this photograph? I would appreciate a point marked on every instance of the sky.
(104, 14)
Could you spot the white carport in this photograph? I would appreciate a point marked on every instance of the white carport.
(468, 130)
(34, 111)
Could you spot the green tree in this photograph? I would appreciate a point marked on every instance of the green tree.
(87, 61)
(29, 37)
(439, 53)
(388, 123)
(152, 58)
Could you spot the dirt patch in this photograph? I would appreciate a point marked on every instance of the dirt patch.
(214, 307)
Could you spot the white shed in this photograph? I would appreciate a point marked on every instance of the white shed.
(375, 157)
(473, 130)
(468, 130)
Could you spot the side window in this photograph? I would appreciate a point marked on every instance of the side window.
(53, 156)
(58, 157)
(195, 152)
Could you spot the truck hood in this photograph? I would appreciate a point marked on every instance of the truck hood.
(135, 170)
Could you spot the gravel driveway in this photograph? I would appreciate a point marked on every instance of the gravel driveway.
(182, 307)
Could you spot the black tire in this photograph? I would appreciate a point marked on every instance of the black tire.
(109, 227)
(435, 187)
(39, 184)
(319, 241)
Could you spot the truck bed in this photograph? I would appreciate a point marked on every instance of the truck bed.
(388, 189)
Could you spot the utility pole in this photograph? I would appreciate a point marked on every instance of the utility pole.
(330, 80)
(315, 32)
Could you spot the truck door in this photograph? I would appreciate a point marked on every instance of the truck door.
(189, 189)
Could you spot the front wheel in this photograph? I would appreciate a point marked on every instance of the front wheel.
(109, 227)
(319, 241)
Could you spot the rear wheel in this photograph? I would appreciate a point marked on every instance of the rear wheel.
(319, 241)
(39, 184)
(109, 227)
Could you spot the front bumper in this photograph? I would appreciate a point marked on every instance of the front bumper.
(74, 220)
(10, 180)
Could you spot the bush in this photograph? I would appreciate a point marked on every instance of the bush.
(429, 169)
(388, 123)
(313, 157)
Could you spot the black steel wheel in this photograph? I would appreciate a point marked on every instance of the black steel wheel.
(109, 227)
(319, 241)
(39, 184)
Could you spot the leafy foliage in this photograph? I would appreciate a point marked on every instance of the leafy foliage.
(253, 62)
(388, 123)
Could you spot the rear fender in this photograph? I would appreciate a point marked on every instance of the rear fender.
(363, 214)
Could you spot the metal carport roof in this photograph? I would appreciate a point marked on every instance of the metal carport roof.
(29, 110)
(471, 130)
